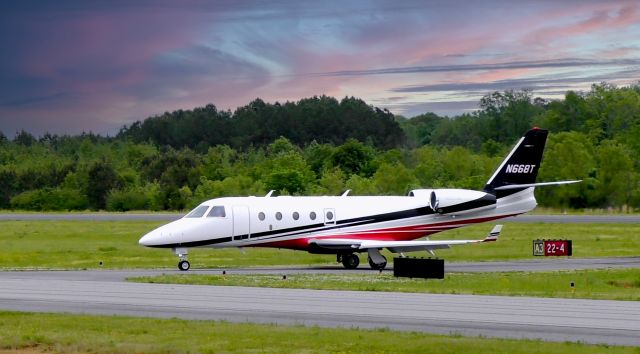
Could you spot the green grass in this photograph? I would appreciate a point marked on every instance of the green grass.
(61, 333)
(589, 240)
(84, 244)
(620, 284)
(76, 244)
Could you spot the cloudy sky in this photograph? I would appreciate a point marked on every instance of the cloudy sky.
(73, 66)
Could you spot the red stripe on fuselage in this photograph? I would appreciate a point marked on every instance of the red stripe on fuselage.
(403, 233)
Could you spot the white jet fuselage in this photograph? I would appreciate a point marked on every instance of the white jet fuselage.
(293, 222)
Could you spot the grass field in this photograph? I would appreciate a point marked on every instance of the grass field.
(60, 333)
(621, 284)
(84, 244)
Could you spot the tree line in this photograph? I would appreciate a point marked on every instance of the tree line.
(322, 119)
(176, 160)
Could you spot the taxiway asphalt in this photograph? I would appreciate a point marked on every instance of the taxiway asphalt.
(99, 292)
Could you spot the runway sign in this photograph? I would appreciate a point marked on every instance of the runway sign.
(552, 248)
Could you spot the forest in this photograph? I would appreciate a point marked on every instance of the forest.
(324, 146)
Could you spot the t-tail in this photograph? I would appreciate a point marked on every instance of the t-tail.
(519, 170)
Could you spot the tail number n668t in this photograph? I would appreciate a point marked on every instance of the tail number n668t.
(517, 168)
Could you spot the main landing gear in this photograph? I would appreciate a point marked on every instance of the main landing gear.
(377, 266)
(376, 260)
(351, 260)
(184, 264)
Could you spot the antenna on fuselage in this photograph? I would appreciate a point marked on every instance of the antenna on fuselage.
(270, 193)
(346, 193)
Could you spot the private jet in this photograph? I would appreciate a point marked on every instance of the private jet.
(348, 225)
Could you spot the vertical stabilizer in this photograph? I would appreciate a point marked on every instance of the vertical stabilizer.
(521, 165)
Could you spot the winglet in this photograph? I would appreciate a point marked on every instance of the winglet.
(493, 235)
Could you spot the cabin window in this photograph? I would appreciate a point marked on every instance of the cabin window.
(261, 216)
(296, 216)
(312, 215)
(217, 212)
(198, 212)
(279, 216)
(329, 215)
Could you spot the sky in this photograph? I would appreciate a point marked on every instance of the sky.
(72, 66)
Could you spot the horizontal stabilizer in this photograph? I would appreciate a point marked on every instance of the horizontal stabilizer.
(541, 184)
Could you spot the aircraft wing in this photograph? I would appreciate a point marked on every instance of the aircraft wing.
(399, 246)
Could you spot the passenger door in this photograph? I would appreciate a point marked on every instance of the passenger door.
(241, 222)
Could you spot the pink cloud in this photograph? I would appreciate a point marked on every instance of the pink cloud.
(502, 74)
(616, 53)
(599, 20)
(99, 51)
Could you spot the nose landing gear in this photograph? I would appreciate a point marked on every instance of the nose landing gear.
(184, 264)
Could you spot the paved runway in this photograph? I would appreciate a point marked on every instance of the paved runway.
(561, 219)
(105, 292)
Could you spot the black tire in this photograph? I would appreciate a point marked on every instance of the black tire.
(379, 266)
(350, 261)
(184, 265)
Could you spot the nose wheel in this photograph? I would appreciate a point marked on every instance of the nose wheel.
(184, 265)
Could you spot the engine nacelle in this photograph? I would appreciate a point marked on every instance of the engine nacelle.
(455, 201)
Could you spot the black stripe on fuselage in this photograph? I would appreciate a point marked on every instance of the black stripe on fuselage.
(508, 192)
(318, 227)
(208, 242)
(485, 200)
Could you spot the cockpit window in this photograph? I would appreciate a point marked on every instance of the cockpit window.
(217, 212)
(198, 212)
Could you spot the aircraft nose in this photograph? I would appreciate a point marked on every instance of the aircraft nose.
(144, 240)
(149, 239)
